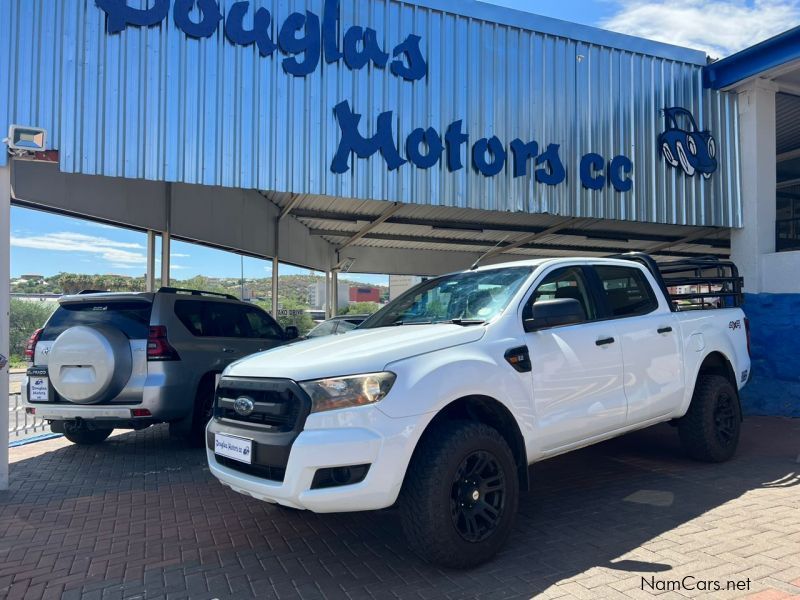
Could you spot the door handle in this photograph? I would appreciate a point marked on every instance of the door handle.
(605, 341)
(229, 350)
(665, 330)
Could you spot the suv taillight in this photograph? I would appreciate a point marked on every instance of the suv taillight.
(158, 346)
(747, 331)
(30, 347)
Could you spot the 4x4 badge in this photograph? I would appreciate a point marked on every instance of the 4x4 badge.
(244, 406)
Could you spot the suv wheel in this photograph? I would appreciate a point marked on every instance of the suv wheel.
(710, 429)
(460, 496)
(203, 411)
(83, 436)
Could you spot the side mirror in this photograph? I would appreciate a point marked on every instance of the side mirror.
(292, 332)
(554, 313)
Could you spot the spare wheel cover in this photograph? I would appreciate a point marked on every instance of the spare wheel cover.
(88, 364)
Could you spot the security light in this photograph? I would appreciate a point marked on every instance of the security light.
(26, 139)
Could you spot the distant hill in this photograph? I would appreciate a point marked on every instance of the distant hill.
(293, 288)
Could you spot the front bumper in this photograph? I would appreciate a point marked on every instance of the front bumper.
(340, 438)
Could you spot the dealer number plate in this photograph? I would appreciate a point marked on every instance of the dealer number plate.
(39, 390)
(234, 447)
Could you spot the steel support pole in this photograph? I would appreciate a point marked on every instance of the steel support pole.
(5, 263)
(150, 276)
(327, 304)
(334, 293)
(275, 269)
(165, 238)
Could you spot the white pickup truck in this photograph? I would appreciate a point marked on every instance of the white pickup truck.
(440, 401)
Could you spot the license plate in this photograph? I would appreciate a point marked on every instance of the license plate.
(234, 447)
(39, 389)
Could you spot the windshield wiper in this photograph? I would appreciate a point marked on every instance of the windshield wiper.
(401, 323)
(464, 322)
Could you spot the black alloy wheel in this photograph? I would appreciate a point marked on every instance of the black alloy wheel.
(725, 418)
(478, 495)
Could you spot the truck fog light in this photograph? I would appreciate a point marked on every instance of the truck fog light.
(339, 476)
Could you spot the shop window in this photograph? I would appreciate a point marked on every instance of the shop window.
(787, 223)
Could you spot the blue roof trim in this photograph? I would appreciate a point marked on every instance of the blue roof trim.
(502, 15)
(771, 53)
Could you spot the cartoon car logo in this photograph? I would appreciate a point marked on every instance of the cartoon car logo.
(684, 146)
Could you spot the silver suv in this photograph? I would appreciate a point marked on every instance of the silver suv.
(107, 361)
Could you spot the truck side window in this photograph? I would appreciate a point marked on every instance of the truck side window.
(627, 291)
(568, 282)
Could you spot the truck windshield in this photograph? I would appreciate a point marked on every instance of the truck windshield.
(469, 298)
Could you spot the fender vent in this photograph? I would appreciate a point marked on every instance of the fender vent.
(519, 358)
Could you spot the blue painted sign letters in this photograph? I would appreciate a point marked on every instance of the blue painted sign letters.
(305, 40)
(300, 34)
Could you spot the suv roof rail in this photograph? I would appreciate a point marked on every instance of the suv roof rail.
(175, 290)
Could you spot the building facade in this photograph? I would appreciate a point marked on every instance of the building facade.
(406, 138)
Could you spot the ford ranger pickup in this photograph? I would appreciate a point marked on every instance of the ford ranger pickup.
(441, 400)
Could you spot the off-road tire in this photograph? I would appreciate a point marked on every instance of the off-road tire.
(427, 504)
(709, 431)
(201, 414)
(87, 437)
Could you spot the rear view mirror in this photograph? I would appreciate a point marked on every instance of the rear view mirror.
(554, 313)
(292, 332)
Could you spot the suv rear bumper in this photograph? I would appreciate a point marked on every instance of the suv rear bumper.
(58, 412)
(165, 403)
(386, 444)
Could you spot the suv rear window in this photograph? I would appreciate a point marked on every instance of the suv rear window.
(131, 318)
(223, 319)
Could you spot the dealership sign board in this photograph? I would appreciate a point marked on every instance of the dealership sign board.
(306, 40)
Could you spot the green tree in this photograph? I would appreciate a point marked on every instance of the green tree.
(72, 283)
(303, 322)
(361, 308)
(25, 318)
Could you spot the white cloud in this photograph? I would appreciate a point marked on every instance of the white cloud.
(719, 27)
(120, 255)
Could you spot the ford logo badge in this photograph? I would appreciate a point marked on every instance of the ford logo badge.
(244, 406)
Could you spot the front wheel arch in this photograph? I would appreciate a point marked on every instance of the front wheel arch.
(491, 412)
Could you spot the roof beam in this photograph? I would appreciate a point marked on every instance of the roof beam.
(489, 243)
(620, 236)
(527, 239)
(791, 155)
(293, 203)
(684, 240)
(384, 216)
(788, 183)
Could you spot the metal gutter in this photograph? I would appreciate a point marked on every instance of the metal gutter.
(752, 61)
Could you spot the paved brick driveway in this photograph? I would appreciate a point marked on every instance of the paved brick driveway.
(140, 517)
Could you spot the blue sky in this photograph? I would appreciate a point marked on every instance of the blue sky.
(47, 244)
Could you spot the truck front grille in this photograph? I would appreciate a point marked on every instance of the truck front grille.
(277, 405)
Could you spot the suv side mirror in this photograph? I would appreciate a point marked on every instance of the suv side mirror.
(554, 313)
(292, 332)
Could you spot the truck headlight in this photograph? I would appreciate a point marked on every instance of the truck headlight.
(346, 392)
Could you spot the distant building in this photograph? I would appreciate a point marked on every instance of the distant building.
(365, 294)
(318, 295)
(398, 284)
(36, 297)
